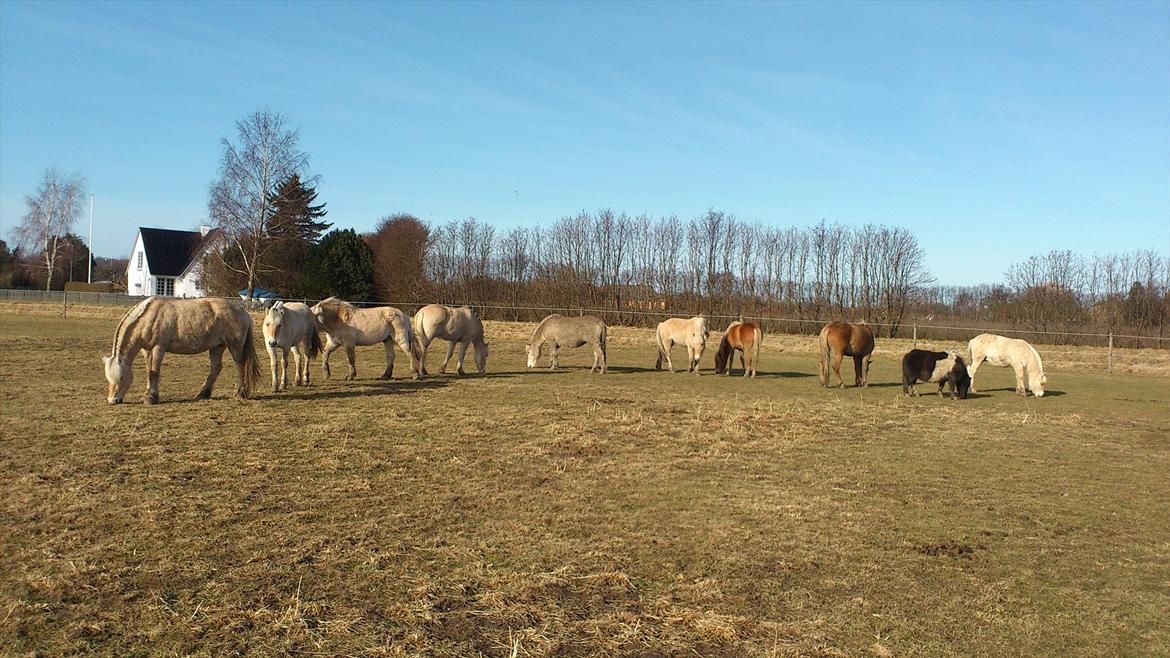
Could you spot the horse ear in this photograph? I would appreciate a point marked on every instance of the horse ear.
(105, 359)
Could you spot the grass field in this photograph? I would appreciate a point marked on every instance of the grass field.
(529, 513)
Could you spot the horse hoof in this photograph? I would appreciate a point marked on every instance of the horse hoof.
(150, 400)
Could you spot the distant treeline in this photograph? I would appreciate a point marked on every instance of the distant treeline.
(639, 269)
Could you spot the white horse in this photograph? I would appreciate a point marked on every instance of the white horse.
(349, 326)
(290, 326)
(1001, 351)
(158, 325)
(560, 331)
(455, 325)
(680, 331)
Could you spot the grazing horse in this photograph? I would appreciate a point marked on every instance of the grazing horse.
(1001, 351)
(745, 337)
(349, 326)
(560, 331)
(944, 368)
(680, 331)
(841, 339)
(184, 326)
(460, 326)
(290, 326)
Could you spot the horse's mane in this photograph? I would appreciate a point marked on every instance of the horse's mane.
(540, 327)
(1036, 355)
(128, 319)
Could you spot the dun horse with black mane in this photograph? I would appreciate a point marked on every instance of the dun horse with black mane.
(841, 339)
(183, 326)
(744, 337)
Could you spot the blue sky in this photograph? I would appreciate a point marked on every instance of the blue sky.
(994, 131)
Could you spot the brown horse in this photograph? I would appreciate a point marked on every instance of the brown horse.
(745, 337)
(846, 339)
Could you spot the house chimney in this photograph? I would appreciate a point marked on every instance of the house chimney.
(204, 230)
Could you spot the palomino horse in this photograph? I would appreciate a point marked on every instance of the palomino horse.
(843, 339)
(744, 337)
(184, 326)
(349, 326)
(680, 331)
(455, 325)
(290, 326)
(560, 331)
(1001, 351)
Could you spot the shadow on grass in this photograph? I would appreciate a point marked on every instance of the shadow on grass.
(1009, 389)
(358, 389)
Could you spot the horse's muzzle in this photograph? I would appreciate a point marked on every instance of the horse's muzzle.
(113, 400)
(272, 343)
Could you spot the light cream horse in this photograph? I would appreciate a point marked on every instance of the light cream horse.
(1001, 351)
(460, 326)
(349, 326)
(158, 325)
(290, 326)
(681, 331)
(560, 331)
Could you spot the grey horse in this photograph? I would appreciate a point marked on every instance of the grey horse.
(560, 331)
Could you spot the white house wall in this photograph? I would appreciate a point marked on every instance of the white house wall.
(138, 281)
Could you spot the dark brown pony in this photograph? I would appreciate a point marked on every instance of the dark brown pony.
(745, 337)
(843, 339)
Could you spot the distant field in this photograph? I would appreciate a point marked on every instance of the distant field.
(529, 513)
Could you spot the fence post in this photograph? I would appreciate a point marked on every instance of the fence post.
(65, 303)
(915, 335)
(1109, 359)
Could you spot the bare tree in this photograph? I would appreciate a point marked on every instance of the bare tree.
(52, 211)
(241, 201)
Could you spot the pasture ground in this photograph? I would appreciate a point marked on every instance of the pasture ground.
(529, 513)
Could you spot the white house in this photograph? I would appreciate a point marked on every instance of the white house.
(167, 262)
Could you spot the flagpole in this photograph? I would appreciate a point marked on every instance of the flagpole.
(89, 279)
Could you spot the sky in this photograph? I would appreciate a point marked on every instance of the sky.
(993, 131)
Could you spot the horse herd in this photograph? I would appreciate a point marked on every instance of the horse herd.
(159, 325)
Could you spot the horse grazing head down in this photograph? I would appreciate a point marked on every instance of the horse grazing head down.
(119, 376)
(481, 356)
(532, 352)
(1037, 384)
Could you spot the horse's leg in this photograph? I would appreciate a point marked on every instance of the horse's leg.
(450, 352)
(1021, 390)
(389, 345)
(858, 367)
(691, 363)
(865, 370)
(553, 353)
(971, 371)
(284, 368)
(837, 368)
(154, 366)
(669, 364)
(301, 354)
(462, 353)
(330, 346)
(351, 356)
(599, 359)
(216, 357)
(274, 360)
(940, 387)
(742, 362)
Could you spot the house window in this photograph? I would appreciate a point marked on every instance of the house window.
(165, 286)
(198, 284)
(140, 261)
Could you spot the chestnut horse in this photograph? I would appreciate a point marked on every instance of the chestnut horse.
(843, 339)
(745, 337)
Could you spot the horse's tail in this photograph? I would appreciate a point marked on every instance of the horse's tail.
(250, 365)
(661, 348)
(824, 355)
(604, 340)
(759, 331)
(315, 346)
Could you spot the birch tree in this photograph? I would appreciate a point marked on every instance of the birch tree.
(52, 211)
(242, 201)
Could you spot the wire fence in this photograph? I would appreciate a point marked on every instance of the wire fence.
(915, 331)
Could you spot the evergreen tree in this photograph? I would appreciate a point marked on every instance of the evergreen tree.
(340, 264)
(293, 214)
(296, 225)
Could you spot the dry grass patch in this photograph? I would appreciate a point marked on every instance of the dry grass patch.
(528, 513)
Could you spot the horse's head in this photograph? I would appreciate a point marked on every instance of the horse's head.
(119, 375)
(533, 353)
(722, 356)
(481, 355)
(273, 321)
(1037, 384)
